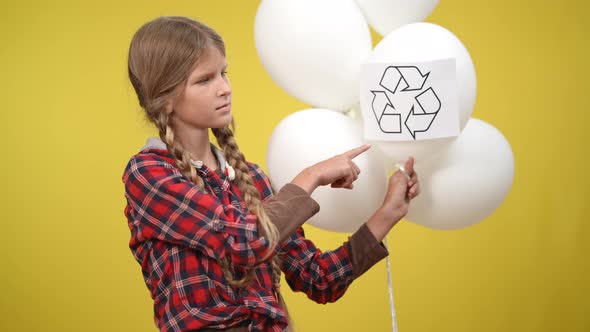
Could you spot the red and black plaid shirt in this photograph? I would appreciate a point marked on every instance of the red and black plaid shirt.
(180, 232)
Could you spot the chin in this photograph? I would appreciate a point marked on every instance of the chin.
(222, 124)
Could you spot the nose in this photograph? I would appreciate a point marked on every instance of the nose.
(224, 88)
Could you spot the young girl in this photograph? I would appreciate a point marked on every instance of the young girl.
(209, 233)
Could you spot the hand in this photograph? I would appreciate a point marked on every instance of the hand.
(338, 172)
(401, 191)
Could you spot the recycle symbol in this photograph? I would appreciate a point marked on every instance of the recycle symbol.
(423, 111)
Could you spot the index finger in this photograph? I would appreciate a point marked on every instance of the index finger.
(356, 151)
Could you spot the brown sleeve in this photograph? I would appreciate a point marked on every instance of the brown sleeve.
(364, 250)
(290, 208)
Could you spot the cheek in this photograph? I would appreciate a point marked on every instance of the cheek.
(201, 97)
(194, 101)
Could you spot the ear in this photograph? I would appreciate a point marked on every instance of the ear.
(169, 107)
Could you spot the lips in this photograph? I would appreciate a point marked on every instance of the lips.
(223, 107)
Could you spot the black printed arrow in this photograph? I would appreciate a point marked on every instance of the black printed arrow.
(421, 119)
(403, 78)
(388, 120)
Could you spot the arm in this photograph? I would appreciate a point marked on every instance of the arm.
(325, 276)
(306, 268)
(164, 206)
(290, 208)
(401, 190)
(338, 172)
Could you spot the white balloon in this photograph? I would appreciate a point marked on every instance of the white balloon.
(313, 49)
(387, 15)
(398, 152)
(468, 182)
(419, 42)
(310, 136)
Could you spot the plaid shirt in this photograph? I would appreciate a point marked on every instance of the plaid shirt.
(180, 232)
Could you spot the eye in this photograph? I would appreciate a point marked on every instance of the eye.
(224, 73)
(203, 80)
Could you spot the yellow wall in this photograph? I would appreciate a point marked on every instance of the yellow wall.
(71, 121)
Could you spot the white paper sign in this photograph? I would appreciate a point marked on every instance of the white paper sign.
(409, 101)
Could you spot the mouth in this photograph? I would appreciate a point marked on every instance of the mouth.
(224, 107)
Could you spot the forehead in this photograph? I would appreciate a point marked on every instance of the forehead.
(210, 59)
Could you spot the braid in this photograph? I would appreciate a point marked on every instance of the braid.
(182, 158)
(251, 195)
(183, 162)
(227, 273)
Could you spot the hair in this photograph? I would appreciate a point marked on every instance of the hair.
(161, 56)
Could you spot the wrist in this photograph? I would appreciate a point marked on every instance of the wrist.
(382, 222)
(307, 180)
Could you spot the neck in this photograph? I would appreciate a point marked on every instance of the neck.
(196, 142)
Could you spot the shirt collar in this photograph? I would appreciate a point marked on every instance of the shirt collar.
(156, 143)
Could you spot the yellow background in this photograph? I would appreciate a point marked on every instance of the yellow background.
(70, 121)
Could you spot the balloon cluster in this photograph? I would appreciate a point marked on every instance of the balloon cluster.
(314, 49)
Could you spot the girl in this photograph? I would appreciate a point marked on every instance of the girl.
(209, 233)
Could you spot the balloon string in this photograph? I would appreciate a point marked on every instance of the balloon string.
(390, 286)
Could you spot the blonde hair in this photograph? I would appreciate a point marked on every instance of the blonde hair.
(162, 54)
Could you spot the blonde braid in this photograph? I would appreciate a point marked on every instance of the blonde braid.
(251, 196)
(182, 158)
(225, 266)
(245, 183)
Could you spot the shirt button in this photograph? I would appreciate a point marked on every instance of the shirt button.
(220, 226)
(254, 304)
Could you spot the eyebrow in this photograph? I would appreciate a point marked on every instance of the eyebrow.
(208, 72)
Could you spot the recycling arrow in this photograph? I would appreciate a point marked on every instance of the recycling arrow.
(388, 120)
(405, 78)
(420, 120)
